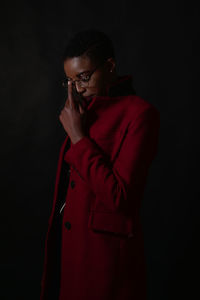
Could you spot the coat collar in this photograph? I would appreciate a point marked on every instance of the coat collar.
(122, 86)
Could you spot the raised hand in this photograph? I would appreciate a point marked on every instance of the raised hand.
(73, 116)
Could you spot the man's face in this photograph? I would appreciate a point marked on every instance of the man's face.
(79, 67)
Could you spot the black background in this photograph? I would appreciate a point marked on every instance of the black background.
(156, 42)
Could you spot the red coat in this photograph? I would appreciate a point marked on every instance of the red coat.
(102, 253)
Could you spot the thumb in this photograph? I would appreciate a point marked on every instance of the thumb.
(82, 111)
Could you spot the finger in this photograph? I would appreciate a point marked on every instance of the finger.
(70, 96)
(60, 117)
(67, 102)
(75, 97)
(81, 110)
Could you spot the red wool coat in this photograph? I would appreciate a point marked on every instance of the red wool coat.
(94, 247)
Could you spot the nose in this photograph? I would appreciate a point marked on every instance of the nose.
(79, 88)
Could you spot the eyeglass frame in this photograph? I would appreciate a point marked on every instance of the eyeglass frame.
(65, 81)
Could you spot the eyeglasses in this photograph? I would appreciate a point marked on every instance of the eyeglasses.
(84, 81)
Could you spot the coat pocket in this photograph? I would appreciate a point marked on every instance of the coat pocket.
(114, 223)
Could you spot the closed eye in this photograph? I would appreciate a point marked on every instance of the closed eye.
(85, 78)
(82, 77)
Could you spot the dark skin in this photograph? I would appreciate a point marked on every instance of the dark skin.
(73, 114)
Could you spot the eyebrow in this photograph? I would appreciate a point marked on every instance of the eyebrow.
(80, 73)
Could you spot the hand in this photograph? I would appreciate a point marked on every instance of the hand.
(73, 116)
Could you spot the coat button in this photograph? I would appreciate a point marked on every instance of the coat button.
(68, 225)
(72, 184)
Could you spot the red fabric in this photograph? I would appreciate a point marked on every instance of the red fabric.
(102, 254)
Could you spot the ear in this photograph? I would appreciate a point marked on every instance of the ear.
(111, 64)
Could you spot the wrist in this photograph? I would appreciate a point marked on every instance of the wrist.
(77, 139)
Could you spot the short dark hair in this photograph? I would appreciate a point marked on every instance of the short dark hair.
(92, 43)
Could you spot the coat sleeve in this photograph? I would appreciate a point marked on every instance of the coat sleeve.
(112, 183)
